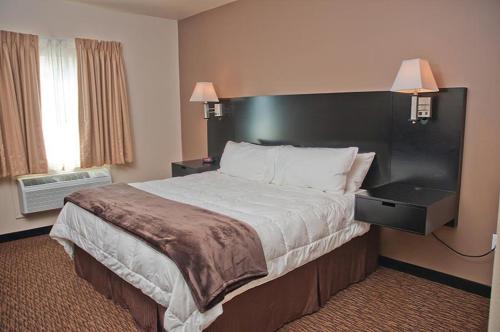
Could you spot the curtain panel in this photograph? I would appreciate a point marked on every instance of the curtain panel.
(104, 124)
(22, 148)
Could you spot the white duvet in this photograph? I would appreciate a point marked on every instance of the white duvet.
(295, 226)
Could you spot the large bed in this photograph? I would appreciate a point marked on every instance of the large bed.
(312, 245)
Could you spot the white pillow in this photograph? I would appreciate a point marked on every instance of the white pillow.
(358, 171)
(319, 168)
(249, 161)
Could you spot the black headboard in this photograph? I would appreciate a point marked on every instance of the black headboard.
(427, 155)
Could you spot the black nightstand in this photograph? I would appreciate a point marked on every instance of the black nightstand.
(181, 168)
(406, 207)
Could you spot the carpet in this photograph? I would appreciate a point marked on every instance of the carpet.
(39, 291)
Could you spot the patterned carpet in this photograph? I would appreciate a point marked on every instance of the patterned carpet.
(39, 291)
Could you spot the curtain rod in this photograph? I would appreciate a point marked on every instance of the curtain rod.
(52, 36)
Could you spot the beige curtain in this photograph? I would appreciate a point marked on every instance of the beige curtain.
(22, 149)
(105, 136)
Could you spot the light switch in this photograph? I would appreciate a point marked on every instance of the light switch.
(424, 107)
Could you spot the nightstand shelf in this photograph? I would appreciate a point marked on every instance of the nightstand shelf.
(406, 207)
(188, 167)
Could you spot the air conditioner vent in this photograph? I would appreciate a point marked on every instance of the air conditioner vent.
(54, 178)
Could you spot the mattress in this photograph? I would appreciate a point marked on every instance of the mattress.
(295, 226)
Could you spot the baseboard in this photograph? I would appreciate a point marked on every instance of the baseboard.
(24, 234)
(440, 277)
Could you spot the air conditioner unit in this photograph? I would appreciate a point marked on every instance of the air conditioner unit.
(47, 192)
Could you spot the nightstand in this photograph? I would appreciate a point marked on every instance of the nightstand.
(181, 168)
(406, 207)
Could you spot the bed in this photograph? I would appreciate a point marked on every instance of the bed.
(312, 247)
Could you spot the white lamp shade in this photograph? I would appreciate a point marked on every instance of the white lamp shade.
(414, 76)
(204, 91)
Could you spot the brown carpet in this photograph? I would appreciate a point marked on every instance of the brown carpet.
(39, 291)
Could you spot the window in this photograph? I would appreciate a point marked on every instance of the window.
(59, 97)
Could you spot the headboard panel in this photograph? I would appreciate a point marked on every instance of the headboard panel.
(372, 121)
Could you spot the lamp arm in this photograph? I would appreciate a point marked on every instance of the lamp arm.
(414, 104)
(206, 110)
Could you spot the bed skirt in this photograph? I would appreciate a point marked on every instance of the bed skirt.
(264, 308)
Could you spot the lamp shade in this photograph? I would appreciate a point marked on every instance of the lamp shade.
(204, 91)
(414, 76)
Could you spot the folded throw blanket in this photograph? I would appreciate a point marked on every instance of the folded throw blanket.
(216, 254)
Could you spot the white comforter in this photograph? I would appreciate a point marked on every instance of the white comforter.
(295, 227)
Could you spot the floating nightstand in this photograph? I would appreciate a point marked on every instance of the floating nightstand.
(188, 167)
(406, 207)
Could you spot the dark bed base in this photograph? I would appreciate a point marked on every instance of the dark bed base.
(264, 308)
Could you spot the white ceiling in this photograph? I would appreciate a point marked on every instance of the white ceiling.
(173, 9)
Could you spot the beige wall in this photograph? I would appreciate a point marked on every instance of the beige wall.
(254, 47)
(151, 58)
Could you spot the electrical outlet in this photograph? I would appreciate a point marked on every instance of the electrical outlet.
(494, 241)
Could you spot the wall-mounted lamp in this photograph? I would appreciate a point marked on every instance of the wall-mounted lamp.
(415, 76)
(205, 92)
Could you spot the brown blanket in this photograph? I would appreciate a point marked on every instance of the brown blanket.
(215, 254)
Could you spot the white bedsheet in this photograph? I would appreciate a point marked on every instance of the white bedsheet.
(295, 226)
